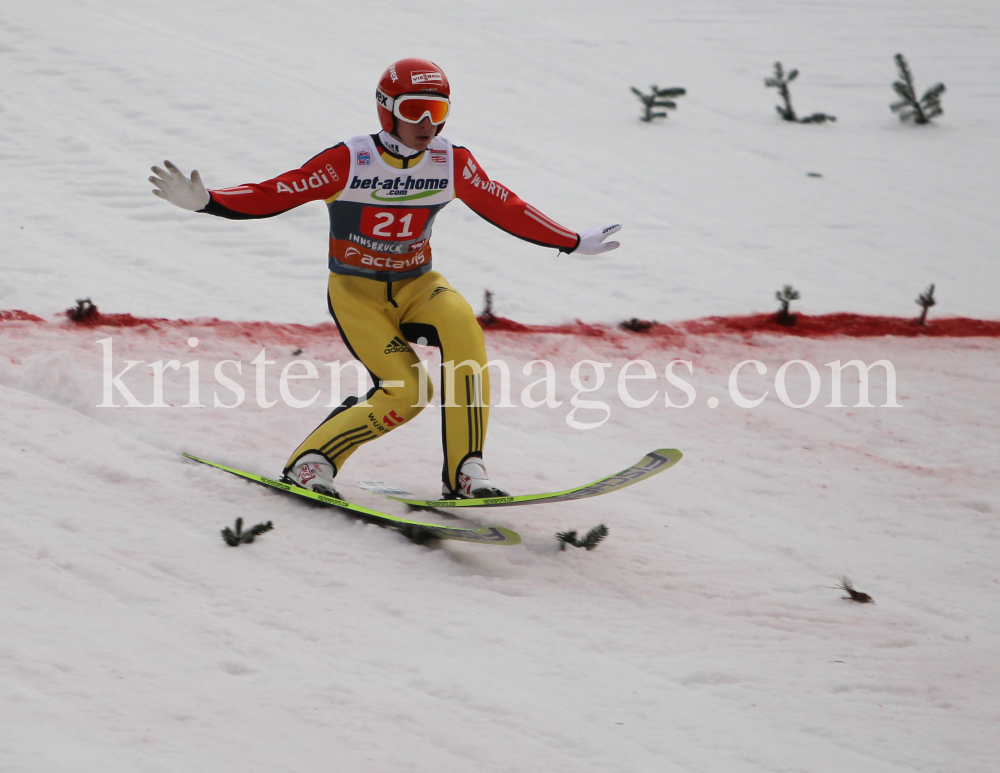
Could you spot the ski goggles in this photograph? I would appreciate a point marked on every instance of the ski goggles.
(413, 108)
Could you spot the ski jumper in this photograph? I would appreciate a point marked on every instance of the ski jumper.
(382, 291)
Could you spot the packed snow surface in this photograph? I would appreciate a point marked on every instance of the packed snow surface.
(718, 209)
(705, 633)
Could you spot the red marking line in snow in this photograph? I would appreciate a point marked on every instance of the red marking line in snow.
(843, 324)
(16, 315)
(227, 328)
(820, 326)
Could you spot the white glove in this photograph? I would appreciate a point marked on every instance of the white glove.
(592, 240)
(172, 185)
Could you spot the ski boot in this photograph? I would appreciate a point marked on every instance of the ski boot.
(313, 472)
(473, 482)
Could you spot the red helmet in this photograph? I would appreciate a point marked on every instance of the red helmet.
(409, 76)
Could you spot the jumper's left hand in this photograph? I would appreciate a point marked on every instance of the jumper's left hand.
(592, 240)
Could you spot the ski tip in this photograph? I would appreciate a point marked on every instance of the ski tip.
(670, 453)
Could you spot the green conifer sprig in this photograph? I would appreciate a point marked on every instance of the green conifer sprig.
(84, 309)
(637, 325)
(780, 81)
(786, 295)
(909, 107)
(925, 300)
(236, 537)
(658, 98)
(591, 541)
(487, 317)
(852, 594)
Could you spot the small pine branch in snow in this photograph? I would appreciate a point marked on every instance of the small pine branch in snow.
(637, 325)
(657, 98)
(909, 107)
(925, 300)
(236, 537)
(84, 308)
(591, 541)
(786, 295)
(487, 317)
(780, 81)
(853, 595)
(818, 118)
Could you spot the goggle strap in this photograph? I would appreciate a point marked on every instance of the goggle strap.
(384, 99)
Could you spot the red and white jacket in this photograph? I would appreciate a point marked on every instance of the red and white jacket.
(382, 204)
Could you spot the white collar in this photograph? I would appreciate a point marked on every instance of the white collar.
(394, 145)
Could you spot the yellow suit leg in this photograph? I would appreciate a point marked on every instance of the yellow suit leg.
(435, 311)
(376, 319)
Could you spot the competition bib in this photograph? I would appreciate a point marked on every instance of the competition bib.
(380, 224)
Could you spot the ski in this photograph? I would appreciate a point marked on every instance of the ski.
(651, 464)
(417, 530)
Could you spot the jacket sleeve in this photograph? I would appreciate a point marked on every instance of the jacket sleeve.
(504, 209)
(321, 177)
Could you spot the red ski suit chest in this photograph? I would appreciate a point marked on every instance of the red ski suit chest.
(382, 206)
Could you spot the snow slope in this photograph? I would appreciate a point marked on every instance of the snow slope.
(704, 634)
(98, 91)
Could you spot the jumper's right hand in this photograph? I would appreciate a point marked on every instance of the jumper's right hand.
(173, 186)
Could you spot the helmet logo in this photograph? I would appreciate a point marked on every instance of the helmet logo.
(425, 77)
(392, 73)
